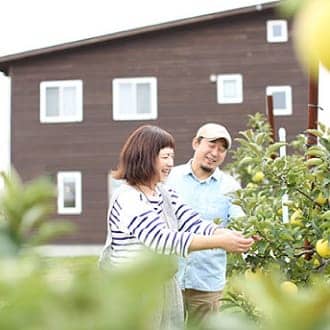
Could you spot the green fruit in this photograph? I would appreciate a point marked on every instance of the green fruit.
(316, 262)
(296, 218)
(258, 177)
(289, 287)
(321, 200)
(314, 162)
(249, 274)
(251, 185)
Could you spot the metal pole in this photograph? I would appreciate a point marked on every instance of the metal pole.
(285, 197)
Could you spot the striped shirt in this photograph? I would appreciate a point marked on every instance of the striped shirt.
(137, 222)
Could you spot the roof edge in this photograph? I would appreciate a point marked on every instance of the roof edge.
(7, 59)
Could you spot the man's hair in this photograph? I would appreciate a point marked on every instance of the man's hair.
(138, 156)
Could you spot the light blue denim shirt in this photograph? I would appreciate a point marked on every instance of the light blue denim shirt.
(205, 270)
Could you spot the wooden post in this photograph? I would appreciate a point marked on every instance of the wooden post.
(270, 115)
(313, 108)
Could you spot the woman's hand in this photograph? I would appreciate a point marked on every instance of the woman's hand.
(229, 240)
(233, 241)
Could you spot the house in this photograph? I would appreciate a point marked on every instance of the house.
(73, 105)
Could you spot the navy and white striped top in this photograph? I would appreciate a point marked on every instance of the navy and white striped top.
(136, 222)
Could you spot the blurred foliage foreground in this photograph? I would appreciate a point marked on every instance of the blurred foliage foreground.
(45, 293)
(38, 293)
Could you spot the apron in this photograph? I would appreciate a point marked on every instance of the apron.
(170, 314)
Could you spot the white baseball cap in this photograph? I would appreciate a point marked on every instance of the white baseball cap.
(212, 131)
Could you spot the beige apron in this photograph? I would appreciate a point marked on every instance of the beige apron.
(170, 315)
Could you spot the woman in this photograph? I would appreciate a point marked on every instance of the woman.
(144, 213)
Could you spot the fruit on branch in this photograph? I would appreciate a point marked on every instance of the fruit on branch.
(249, 274)
(258, 177)
(322, 248)
(316, 262)
(289, 287)
(296, 218)
(320, 199)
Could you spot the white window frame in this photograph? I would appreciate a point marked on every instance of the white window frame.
(78, 117)
(284, 28)
(61, 176)
(135, 116)
(221, 98)
(288, 99)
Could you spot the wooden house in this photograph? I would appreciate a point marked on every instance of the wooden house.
(73, 105)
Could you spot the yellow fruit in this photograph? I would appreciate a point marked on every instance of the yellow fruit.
(289, 287)
(249, 274)
(258, 177)
(296, 218)
(322, 248)
(279, 212)
(311, 34)
(320, 199)
(316, 262)
(251, 185)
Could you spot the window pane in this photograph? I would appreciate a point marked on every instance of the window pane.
(69, 101)
(143, 98)
(229, 88)
(279, 100)
(52, 102)
(126, 102)
(69, 189)
(277, 30)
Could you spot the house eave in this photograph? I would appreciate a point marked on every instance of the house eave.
(7, 61)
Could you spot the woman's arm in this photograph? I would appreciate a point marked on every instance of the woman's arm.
(229, 240)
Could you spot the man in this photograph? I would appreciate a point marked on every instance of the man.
(203, 186)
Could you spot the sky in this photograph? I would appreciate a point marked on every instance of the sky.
(26, 25)
(33, 24)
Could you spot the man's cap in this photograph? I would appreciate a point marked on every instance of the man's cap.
(212, 131)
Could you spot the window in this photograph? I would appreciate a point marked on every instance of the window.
(69, 193)
(277, 31)
(282, 99)
(230, 88)
(134, 98)
(61, 101)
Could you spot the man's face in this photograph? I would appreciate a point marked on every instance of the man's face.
(209, 154)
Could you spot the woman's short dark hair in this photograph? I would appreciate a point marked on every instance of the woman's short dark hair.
(138, 156)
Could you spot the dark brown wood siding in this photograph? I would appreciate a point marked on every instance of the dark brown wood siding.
(182, 59)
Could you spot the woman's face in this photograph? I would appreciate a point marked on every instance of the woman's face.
(164, 164)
